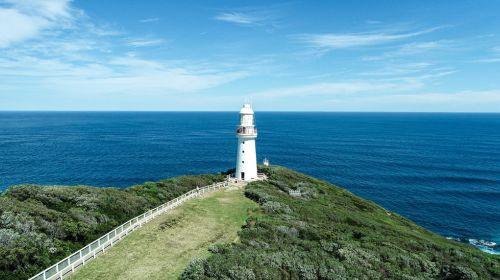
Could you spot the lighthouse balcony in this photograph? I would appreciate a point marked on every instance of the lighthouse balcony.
(250, 131)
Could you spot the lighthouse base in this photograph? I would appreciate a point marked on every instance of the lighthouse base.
(246, 160)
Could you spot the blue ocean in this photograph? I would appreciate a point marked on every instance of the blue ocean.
(440, 170)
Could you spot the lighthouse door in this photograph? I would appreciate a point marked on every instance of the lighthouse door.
(242, 175)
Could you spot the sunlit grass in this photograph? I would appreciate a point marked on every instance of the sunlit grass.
(162, 248)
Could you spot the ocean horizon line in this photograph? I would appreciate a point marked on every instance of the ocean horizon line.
(262, 111)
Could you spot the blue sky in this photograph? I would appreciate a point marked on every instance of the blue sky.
(213, 55)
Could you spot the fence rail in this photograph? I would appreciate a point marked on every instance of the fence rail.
(100, 245)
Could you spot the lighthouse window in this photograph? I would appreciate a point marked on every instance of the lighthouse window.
(243, 152)
(242, 161)
(243, 142)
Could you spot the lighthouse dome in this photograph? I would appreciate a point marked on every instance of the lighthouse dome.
(246, 109)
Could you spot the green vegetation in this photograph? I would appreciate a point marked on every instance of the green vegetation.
(40, 225)
(329, 233)
(325, 233)
(163, 247)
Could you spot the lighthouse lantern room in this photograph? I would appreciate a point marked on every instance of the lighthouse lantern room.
(246, 159)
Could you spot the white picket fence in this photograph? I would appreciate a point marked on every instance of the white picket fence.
(99, 246)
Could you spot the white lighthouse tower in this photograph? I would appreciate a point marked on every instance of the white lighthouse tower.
(246, 159)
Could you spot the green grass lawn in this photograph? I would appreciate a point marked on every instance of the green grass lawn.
(162, 248)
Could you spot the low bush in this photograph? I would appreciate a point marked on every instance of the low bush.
(40, 225)
(333, 234)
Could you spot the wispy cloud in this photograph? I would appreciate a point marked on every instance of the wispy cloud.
(333, 41)
(417, 69)
(393, 79)
(147, 20)
(118, 74)
(27, 19)
(488, 60)
(267, 18)
(144, 42)
(238, 18)
(411, 49)
(462, 101)
(341, 88)
(75, 60)
(494, 58)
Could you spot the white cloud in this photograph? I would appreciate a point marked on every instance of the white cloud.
(238, 18)
(386, 81)
(86, 59)
(163, 82)
(267, 18)
(463, 101)
(342, 88)
(124, 75)
(488, 60)
(410, 49)
(25, 27)
(51, 9)
(144, 42)
(493, 59)
(420, 70)
(332, 41)
(23, 20)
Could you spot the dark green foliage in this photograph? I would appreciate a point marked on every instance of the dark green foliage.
(329, 233)
(40, 225)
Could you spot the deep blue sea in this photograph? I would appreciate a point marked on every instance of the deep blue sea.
(440, 170)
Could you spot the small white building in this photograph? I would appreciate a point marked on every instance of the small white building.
(246, 158)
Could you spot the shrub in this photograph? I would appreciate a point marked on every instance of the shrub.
(335, 235)
(241, 273)
(194, 270)
(8, 238)
(291, 232)
(458, 272)
(40, 225)
(274, 207)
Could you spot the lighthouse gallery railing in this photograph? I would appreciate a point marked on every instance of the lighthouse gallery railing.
(95, 248)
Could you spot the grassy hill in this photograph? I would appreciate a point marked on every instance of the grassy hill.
(163, 248)
(325, 233)
(329, 233)
(40, 225)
